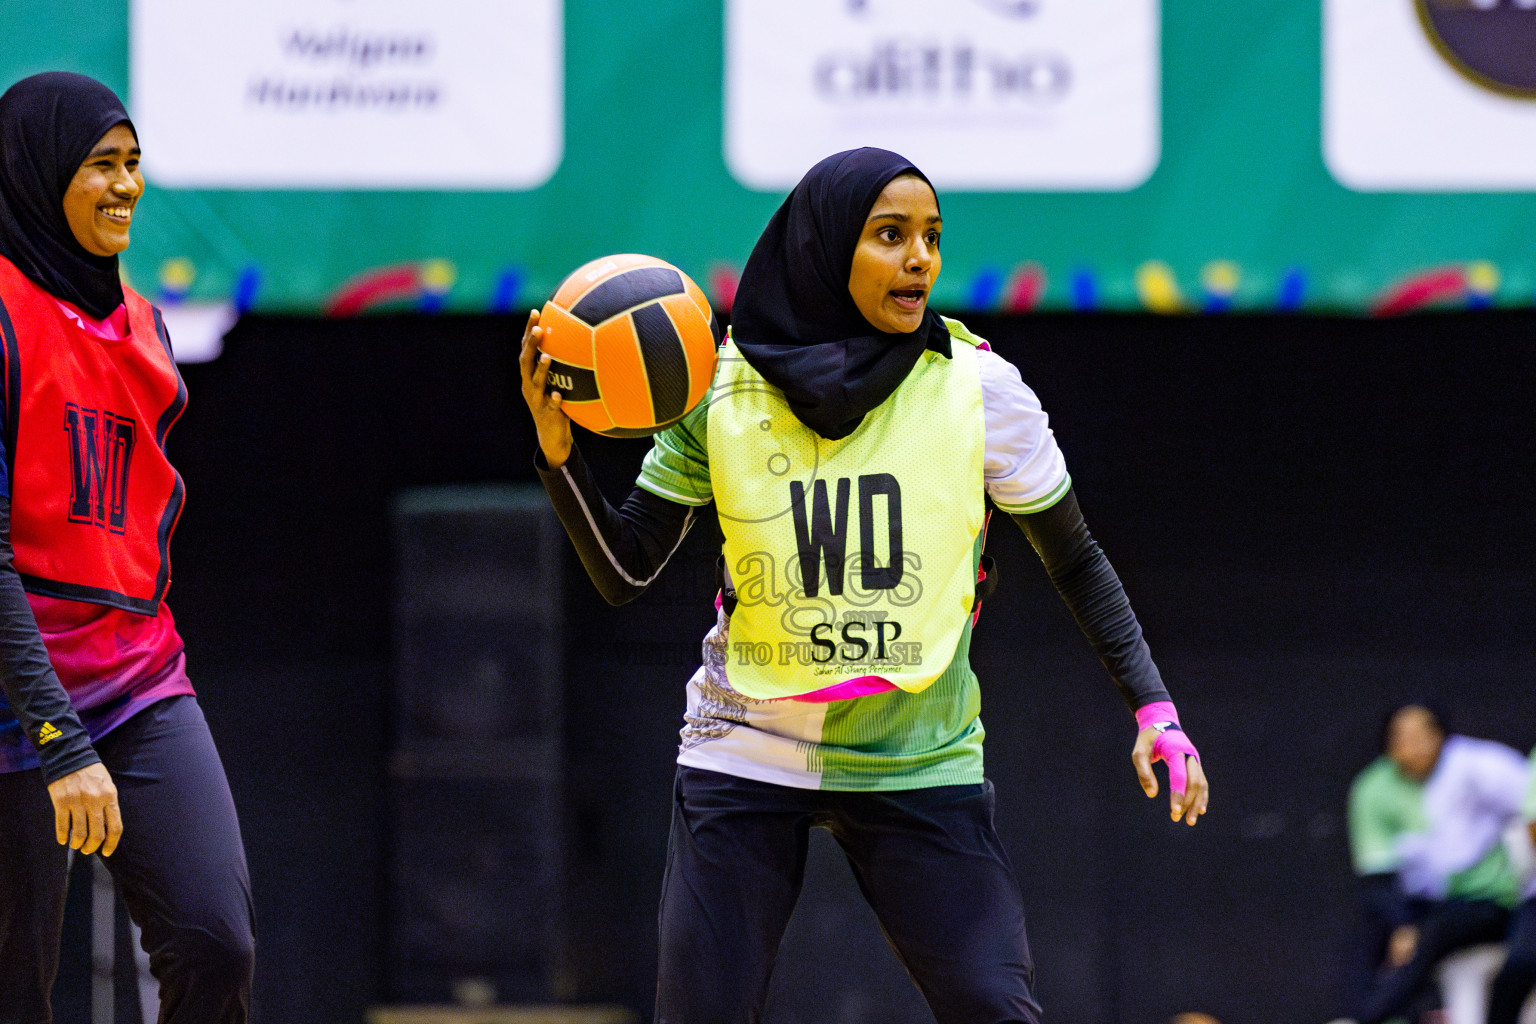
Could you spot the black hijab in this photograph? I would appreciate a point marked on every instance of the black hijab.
(48, 125)
(794, 319)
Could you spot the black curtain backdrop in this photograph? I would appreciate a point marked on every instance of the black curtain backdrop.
(1315, 519)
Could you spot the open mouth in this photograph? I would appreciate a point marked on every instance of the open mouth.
(909, 298)
(119, 214)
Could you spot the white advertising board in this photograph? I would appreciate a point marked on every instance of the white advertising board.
(1430, 96)
(983, 95)
(365, 94)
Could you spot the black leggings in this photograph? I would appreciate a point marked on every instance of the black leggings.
(180, 868)
(928, 861)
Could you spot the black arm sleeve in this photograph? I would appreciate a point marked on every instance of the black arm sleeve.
(622, 550)
(27, 677)
(1087, 583)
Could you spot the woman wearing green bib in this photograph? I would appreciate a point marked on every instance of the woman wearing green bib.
(849, 445)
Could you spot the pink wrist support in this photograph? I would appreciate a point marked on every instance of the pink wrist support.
(1171, 744)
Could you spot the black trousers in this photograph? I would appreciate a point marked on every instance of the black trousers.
(180, 868)
(1380, 906)
(1445, 927)
(1513, 984)
(928, 861)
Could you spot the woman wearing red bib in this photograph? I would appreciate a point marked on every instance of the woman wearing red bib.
(102, 745)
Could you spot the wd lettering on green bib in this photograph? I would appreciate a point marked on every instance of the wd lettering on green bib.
(854, 557)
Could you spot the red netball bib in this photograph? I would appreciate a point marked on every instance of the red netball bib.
(93, 497)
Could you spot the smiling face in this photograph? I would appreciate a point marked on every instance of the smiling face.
(897, 258)
(101, 196)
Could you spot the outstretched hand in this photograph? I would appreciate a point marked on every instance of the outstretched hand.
(553, 425)
(1189, 793)
(85, 811)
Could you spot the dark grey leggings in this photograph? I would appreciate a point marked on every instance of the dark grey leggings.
(180, 868)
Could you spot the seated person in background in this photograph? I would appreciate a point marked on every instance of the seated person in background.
(1452, 865)
(1515, 980)
(1384, 804)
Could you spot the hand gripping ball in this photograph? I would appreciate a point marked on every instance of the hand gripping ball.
(632, 343)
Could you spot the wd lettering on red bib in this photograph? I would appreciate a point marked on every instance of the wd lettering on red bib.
(101, 453)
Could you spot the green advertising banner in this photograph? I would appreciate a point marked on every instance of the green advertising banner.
(343, 155)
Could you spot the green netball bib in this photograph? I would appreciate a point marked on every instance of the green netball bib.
(851, 558)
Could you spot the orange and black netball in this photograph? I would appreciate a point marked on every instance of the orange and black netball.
(632, 343)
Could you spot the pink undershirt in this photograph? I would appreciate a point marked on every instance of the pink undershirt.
(113, 328)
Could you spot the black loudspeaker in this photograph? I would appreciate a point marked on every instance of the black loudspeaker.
(476, 872)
